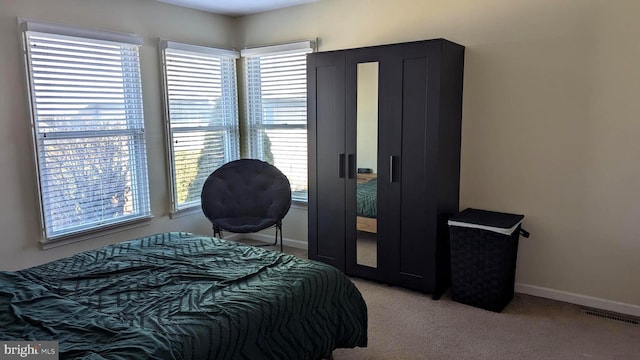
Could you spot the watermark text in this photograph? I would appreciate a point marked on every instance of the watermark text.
(47, 350)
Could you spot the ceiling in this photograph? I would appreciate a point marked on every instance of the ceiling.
(236, 7)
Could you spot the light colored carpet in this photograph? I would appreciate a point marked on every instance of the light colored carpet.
(405, 324)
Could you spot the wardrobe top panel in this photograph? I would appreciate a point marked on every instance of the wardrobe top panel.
(438, 40)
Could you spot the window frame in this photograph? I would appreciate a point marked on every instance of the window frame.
(133, 131)
(231, 152)
(297, 48)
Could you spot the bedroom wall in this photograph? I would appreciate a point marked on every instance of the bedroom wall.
(19, 216)
(550, 122)
(367, 117)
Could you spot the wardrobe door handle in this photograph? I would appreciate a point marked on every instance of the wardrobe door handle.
(352, 166)
(341, 166)
(391, 169)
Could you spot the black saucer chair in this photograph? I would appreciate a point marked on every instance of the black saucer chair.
(246, 196)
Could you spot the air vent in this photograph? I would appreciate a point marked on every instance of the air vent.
(611, 316)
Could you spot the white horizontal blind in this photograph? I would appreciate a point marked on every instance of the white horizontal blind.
(88, 127)
(202, 121)
(277, 112)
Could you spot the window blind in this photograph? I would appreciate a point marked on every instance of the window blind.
(276, 84)
(202, 116)
(88, 127)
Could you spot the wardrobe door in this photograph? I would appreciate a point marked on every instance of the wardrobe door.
(448, 155)
(328, 158)
(412, 126)
(364, 249)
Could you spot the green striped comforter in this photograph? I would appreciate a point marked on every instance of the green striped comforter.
(182, 296)
(366, 194)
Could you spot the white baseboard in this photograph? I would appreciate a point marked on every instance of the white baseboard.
(578, 299)
(269, 240)
(588, 301)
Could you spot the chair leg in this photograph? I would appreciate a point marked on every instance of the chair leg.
(275, 242)
(279, 229)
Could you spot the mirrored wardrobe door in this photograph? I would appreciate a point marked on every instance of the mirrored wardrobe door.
(367, 164)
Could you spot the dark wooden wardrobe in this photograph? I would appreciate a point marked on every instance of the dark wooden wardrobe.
(392, 113)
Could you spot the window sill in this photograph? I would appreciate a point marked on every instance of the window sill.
(198, 210)
(299, 204)
(185, 212)
(92, 234)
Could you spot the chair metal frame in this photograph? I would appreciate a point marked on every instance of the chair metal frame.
(218, 231)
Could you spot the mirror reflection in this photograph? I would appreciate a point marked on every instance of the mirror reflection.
(367, 164)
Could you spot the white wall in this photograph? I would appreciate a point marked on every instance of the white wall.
(550, 119)
(367, 117)
(19, 224)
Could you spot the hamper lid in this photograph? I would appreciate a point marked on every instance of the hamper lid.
(498, 222)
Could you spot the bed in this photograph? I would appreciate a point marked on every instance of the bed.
(184, 296)
(366, 204)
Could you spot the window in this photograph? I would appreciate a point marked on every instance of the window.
(276, 83)
(88, 127)
(202, 116)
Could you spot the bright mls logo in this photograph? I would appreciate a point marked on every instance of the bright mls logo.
(29, 350)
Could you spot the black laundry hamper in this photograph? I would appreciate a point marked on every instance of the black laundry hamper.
(484, 248)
